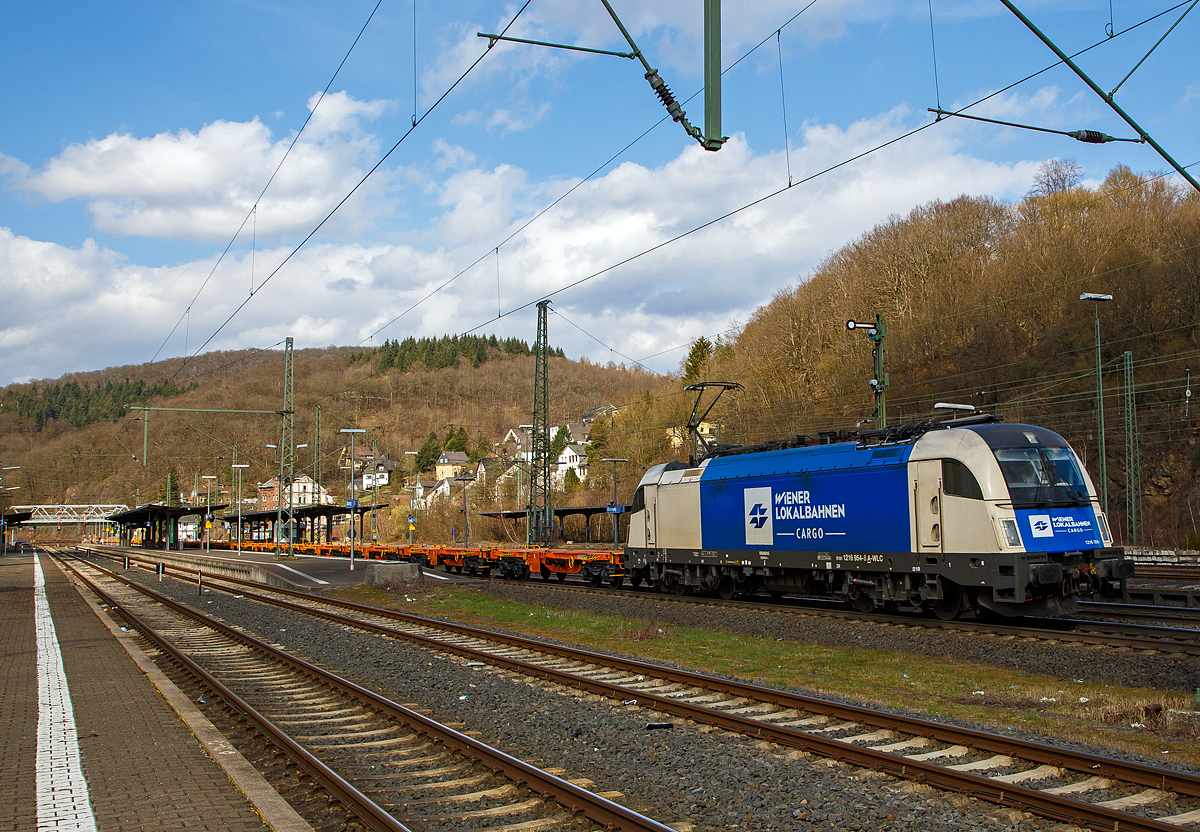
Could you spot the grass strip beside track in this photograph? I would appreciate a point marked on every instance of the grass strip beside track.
(1063, 710)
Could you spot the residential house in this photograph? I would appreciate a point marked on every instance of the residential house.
(450, 464)
(489, 470)
(573, 458)
(679, 437)
(424, 491)
(304, 491)
(376, 473)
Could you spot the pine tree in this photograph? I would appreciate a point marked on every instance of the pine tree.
(428, 453)
(695, 366)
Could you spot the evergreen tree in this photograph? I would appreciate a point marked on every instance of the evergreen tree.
(561, 438)
(456, 440)
(428, 453)
(80, 404)
(695, 366)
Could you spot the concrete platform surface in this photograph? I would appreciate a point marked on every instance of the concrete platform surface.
(88, 741)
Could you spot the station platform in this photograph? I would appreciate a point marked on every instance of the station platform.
(302, 572)
(94, 737)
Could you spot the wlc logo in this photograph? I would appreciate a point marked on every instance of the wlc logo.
(758, 515)
(1040, 525)
(760, 530)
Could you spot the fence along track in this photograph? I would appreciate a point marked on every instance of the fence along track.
(374, 730)
(962, 760)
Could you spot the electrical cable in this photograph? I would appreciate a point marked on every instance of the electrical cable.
(358, 185)
(787, 145)
(705, 225)
(775, 193)
(271, 179)
(933, 43)
(581, 182)
(1152, 48)
(601, 343)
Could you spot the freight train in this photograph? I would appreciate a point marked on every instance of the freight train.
(955, 517)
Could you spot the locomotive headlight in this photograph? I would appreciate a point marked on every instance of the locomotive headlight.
(1012, 537)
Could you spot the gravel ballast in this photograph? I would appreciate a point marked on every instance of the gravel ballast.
(684, 775)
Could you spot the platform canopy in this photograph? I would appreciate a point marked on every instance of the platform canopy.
(308, 518)
(300, 513)
(151, 512)
(160, 524)
(16, 518)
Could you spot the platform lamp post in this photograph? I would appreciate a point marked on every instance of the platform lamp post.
(291, 501)
(237, 467)
(278, 500)
(1097, 299)
(413, 476)
(352, 503)
(613, 508)
(3, 507)
(208, 510)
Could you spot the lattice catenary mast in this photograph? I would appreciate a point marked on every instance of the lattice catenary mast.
(540, 515)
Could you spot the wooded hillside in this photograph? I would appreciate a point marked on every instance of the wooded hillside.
(981, 303)
(472, 403)
(980, 299)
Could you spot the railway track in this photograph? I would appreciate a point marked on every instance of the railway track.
(1061, 784)
(1187, 615)
(389, 765)
(1106, 633)
(1173, 573)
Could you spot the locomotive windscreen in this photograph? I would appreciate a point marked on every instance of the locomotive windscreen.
(1042, 477)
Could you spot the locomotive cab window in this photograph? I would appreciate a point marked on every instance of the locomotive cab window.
(639, 500)
(958, 481)
(1042, 477)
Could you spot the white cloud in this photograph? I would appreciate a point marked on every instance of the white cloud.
(200, 185)
(1192, 93)
(451, 155)
(654, 302)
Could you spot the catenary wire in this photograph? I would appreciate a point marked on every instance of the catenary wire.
(601, 343)
(359, 184)
(578, 184)
(779, 191)
(253, 209)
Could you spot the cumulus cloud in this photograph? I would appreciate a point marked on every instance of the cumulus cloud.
(344, 293)
(200, 185)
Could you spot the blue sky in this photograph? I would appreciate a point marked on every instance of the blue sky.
(137, 137)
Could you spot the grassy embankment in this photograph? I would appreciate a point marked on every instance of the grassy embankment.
(1122, 719)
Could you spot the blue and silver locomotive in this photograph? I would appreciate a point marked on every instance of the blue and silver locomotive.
(965, 515)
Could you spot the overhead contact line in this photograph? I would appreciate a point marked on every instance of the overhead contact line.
(253, 212)
(416, 123)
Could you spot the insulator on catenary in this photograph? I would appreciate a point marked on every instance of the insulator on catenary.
(664, 93)
(1091, 136)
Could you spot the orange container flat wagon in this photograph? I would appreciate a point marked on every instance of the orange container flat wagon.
(596, 566)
